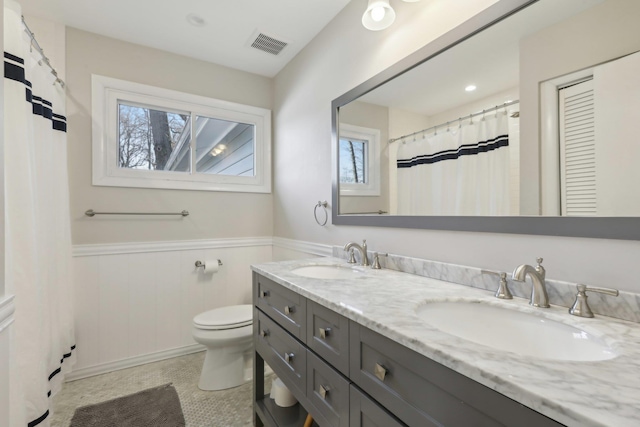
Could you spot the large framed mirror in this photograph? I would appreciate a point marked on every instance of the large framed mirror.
(521, 120)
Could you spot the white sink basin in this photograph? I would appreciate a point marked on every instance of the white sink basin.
(328, 272)
(515, 331)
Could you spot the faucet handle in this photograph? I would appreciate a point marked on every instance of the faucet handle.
(503, 291)
(352, 257)
(376, 260)
(580, 306)
(539, 268)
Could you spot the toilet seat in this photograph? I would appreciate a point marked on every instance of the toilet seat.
(231, 317)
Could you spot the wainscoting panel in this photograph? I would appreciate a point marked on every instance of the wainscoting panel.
(135, 303)
(6, 321)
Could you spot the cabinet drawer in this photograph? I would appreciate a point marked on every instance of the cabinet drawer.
(281, 304)
(328, 393)
(364, 412)
(328, 335)
(286, 356)
(421, 392)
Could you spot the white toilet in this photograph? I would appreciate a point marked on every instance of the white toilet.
(227, 334)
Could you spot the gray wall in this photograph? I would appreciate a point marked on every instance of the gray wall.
(344, 55)
(213, 214)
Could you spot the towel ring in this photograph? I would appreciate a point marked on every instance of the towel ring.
(326, 214)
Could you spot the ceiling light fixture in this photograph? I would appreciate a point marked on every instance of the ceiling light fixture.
(470, 88)
(379, 14)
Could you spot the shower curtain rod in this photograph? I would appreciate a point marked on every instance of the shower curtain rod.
(470, 116)
(35, 44)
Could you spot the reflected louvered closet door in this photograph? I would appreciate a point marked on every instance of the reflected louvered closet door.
(578, 150)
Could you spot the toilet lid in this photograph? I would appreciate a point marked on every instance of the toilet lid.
(234, 316)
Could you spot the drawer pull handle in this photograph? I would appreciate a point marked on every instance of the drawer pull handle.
(380, 371)
(288, 357)
(264, 333)
(323, 391)
(289, 309)
(264, 294)
(324, 332)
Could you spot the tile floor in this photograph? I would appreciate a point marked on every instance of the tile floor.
(226, 408)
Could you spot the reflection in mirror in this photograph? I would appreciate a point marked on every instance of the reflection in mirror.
(533, 116)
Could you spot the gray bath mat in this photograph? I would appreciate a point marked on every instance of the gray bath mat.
(155, 407)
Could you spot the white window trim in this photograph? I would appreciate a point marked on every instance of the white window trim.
(550, 139)
(372, 136)
(107, 91)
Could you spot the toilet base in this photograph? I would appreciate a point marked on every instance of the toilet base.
(222, 370)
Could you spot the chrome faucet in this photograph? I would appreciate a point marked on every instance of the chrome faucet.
(362, 249)
(539, 297)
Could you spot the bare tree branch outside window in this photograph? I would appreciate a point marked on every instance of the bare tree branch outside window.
(352, 161)
(147, 136)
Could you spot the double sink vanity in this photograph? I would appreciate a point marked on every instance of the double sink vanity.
(359, 346)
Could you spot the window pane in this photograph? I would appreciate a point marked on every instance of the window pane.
(352, 161)
(224, 147)
(152, 139)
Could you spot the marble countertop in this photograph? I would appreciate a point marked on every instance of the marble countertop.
(601, 393)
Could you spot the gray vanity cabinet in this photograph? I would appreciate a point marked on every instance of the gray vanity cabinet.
(328, 392)
(367, 413)
(346, 375)
(328, 336)
(421, 392)
(282, 305)
(286, 355)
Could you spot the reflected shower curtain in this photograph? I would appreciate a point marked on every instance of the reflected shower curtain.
(38, 241)
(460, 171)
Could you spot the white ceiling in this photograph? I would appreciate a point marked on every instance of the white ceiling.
(224, 39)
(490, 60)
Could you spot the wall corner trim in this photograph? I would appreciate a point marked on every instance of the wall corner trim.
(7, 309)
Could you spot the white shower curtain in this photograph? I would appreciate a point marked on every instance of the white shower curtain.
(38, 241)
(460, 171)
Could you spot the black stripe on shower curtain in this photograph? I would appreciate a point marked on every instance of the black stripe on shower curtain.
(463, 150)
(14, 70)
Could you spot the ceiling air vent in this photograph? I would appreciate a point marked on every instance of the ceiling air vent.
(268, 44)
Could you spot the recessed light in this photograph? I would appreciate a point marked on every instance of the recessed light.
(470, 88)
(196, 20)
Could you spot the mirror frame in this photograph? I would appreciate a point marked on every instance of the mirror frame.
(624, 228)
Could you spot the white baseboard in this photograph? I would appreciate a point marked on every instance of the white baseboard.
(302, 246)
(132, 361)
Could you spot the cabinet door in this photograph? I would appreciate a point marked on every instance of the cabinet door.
(328, 392)
(328, 335)
(283, 305)
(364, 412)
(286, 355)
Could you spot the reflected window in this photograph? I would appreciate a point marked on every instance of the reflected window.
(353, 154)
(359, 162)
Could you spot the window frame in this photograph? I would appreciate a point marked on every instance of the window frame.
(372, 163)
(108, 92)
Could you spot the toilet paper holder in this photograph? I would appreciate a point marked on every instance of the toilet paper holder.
(204, 265)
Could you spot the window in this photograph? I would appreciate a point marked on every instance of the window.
(144, 136)
(359, 161)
